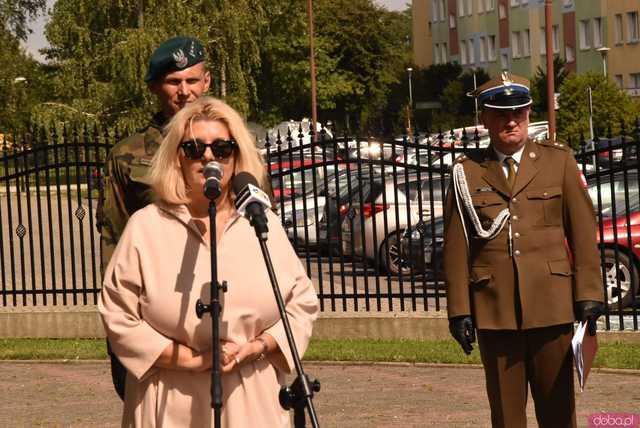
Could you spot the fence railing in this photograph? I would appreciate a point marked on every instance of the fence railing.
(364, 215)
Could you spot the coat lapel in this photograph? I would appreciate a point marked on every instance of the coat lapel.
(527, 169)
(494, 175)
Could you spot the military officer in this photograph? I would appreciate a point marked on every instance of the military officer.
(518, 214)
(176, 76)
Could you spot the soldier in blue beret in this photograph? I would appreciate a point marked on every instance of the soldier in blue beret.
(177, 75)
(518, 215)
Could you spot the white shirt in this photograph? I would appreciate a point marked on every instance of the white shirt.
(516, 157)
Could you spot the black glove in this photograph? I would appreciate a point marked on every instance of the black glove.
(463, 331)
(590, 311)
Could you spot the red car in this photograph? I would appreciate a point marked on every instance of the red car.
(620, 238)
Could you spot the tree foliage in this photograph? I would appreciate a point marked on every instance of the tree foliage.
(611, 107)
(14, 15)
(539, 84)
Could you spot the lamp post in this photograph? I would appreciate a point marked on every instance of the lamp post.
(604, 51)
(409, 70)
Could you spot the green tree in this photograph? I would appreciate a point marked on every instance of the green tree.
(99, 50)
(539, 84)
(611, 107)
(15, 14)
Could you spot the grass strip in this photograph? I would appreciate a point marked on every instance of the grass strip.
(610, 355)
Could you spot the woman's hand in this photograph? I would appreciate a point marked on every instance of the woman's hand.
(249, 351)
(177, 356)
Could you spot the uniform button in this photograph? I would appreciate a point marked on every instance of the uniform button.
(545, 194)
(514, 217)
(516, 252)
(516, 235)
(514, 200)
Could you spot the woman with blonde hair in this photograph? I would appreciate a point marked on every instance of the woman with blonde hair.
(161, 267)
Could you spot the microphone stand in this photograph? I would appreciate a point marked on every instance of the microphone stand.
(214, 308)
(300, 394)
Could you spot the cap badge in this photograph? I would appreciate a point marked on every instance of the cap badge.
(192, 50)
(180, 59)
(506, 78)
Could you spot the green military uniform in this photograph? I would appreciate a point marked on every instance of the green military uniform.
(125, 188)
(519, 284)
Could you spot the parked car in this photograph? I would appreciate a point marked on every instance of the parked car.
(620, 239)
(374, 227)
(422, 244)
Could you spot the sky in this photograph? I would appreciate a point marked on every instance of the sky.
(37, 40)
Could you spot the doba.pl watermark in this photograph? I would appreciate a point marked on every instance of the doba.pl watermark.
(614, 420)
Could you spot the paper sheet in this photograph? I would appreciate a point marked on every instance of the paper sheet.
(584, 351)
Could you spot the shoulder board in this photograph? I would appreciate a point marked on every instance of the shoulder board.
(553, 144)
(460, 158)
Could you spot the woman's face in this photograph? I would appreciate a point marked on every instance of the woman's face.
(206, 131)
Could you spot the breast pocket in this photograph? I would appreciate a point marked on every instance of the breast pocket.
(488, 206)
(549, 201)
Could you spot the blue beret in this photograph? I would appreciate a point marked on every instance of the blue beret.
(174, 54)
(506, 92)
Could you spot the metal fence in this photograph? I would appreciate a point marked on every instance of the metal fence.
(364, 215)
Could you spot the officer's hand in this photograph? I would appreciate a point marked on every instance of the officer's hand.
(462, 330)
(589, 311)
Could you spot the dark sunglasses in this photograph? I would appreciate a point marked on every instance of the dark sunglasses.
(221, 149)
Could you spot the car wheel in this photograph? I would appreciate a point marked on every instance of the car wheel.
(622, 283)
(391, 255)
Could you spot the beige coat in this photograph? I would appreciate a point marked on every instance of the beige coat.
(552, 222)
(159, 269)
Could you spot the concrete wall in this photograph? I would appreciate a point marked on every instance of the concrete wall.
(86, 323)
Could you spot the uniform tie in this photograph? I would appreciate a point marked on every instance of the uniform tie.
(511, 176)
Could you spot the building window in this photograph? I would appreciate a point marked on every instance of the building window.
(556, 39)
(463, 53)
(443, 54)
(443, 10)
(526, 43)
(471, 52)
(469, 7)
(436, 54)
(635, 80)
(460, 7)
(483, 49)
(569, 53)
(502, 11)
(504, 60)
(452, 21)
(515, 44)
(489, 5)
(435, 10)
(514, 3)
(567, 3)
(524, 2)
(491, 48)
(597, 32)
(632, 27)
(543, 41)
(584, 34)
(618, 80)
(618, 28)
(480, 6)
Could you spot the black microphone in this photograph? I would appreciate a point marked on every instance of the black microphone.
(212, 176)
(252, 202)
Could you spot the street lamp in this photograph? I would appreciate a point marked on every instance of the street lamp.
(604, 51)
(409, 70)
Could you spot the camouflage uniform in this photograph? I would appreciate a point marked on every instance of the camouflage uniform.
(125, 189)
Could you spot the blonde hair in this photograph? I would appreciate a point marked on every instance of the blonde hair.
(165, 175)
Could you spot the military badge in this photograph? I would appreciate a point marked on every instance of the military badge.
(180, 58)
(506, 78)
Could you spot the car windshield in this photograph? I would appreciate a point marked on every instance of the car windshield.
(613, 196)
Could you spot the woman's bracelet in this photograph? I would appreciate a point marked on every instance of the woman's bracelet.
(265, 347)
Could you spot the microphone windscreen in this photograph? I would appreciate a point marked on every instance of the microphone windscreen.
(213, 169)
(242, 180)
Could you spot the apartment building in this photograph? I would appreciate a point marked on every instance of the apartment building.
(501, 35)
